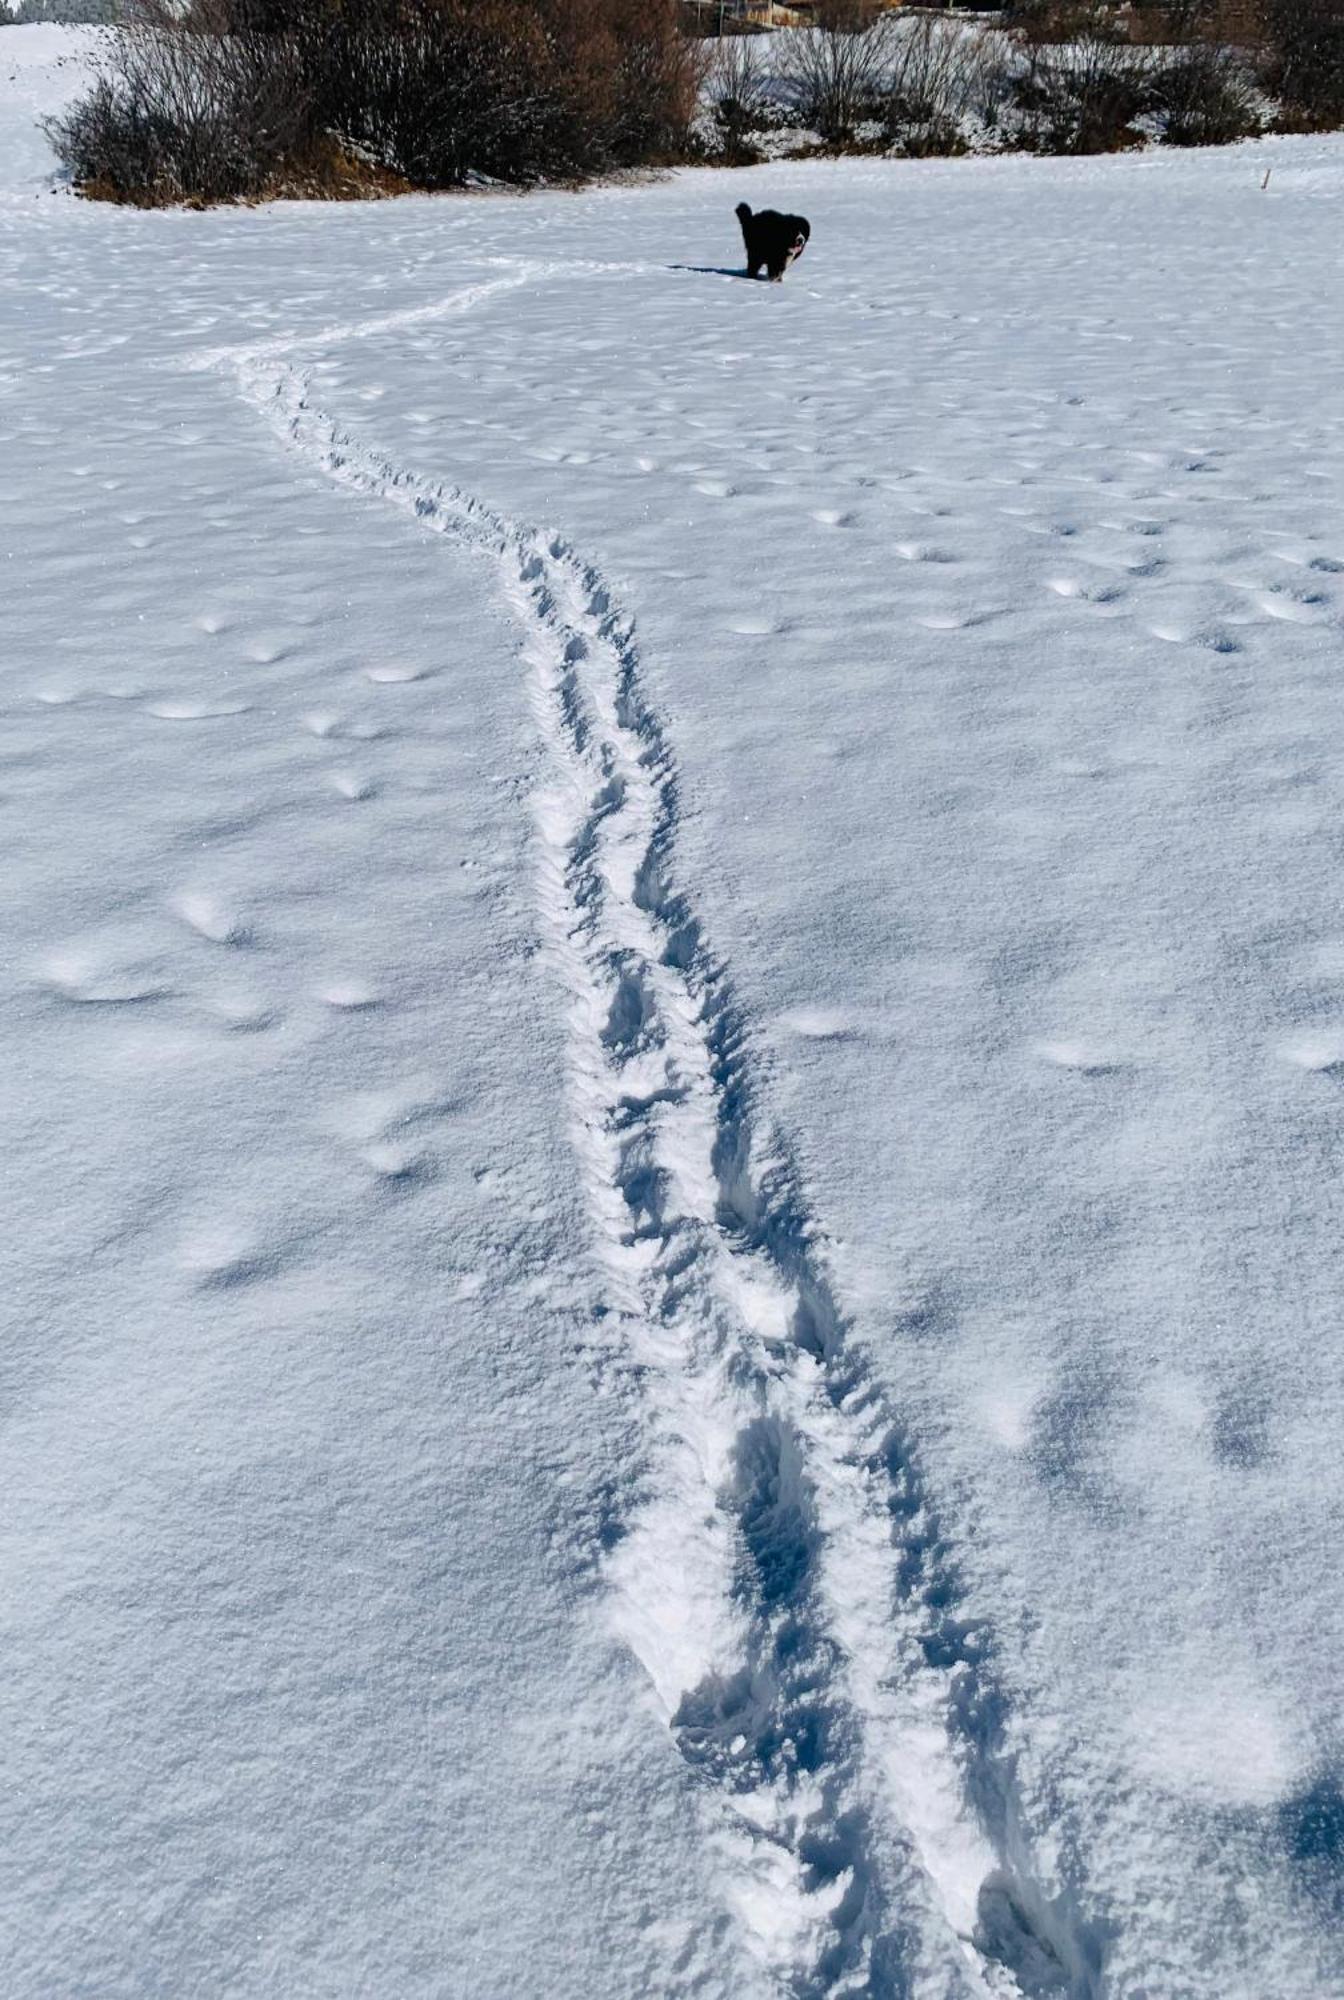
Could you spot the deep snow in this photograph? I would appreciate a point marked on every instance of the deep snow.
(673, 1017)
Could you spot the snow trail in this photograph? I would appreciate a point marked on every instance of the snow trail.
(519, 271)
(783, 1582)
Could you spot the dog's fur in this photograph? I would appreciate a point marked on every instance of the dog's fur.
(772, 239)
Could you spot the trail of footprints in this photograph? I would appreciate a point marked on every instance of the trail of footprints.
(782, 1579)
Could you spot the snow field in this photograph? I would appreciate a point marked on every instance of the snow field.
(663, 1117)
(751, 1073)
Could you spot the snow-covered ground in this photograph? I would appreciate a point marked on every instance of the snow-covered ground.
(674, 1008)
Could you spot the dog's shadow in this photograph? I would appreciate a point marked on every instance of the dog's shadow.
(715, 271)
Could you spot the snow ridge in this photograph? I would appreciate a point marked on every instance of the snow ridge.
(782, 1580)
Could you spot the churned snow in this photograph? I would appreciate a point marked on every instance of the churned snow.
(674, 1009)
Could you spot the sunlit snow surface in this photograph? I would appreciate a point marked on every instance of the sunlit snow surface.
(674, 1016)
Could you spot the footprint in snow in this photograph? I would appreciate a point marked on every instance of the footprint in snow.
(348, 996)
(393, 674)
(387, 1160)
(1292, 610)
(87, 976)
(818, 1024)
(194, 711)
(242, 1011)
(348, 786)
(219, 1256)
(1085, 1058)
(321, 722)
(210, 918)
(385, 1120)
(1319, 1051)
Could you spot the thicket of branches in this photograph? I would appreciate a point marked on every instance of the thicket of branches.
(1305, 58)
(237, 98)
(207, 100)
(1214, 68)
(1051, 76)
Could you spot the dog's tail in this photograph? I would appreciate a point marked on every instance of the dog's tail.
(744, 211)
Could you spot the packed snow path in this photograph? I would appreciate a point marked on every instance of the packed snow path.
(487, 1512)
(784, 1584)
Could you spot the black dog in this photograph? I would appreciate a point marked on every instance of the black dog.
(772, 239)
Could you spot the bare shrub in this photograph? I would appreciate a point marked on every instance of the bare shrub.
(437, 93)
(229, 98)
(661, 72)
(1084, 84)
(738, 80)
(839, 69)
(939, 73)
(1305, 59)
(197, 106)
(1205, 96)
(442, 89)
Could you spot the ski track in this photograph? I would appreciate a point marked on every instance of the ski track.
(783, 1580)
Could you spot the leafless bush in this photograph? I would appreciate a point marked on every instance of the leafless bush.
(441, 89)
(1082, 93)
(228, 98)
(197, 106)
(1305, 58)
(433, 96)
(939, 73)
(660, 73)
(1205, 95)
(839, 69)
(741, 98)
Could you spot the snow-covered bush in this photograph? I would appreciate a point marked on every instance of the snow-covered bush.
(219, 99)
(1204, 95)
(942, 77)
(839, 69)
(1061, 76)
(230, 98)
(1083, 85)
